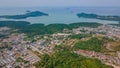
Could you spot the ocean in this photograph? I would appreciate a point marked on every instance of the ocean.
(64, 15)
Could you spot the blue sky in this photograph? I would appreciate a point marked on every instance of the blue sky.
(54, 3)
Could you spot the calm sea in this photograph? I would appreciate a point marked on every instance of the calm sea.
(62, 14)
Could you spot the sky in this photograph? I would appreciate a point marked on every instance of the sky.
(55, 3)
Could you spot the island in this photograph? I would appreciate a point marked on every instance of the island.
(26, 15)
(95, 16)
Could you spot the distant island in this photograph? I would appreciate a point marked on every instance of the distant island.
(24, 16)
(95, 16)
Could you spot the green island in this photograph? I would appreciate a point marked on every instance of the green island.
(24, 16)
(95, 16)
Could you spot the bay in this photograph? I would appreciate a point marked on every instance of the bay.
(64, 15)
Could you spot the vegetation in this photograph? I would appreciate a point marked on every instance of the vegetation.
(79, 36)
(95, 16)
(94, 44)
(85, 24)
(40, 29)
(3, 36)
(14, 24)
(5, 46)
(116, 24)
(65, 58)
(23, 16)
(21, 60)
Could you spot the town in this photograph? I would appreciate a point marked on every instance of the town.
(17, 51)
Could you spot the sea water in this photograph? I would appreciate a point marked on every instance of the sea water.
(64, 15)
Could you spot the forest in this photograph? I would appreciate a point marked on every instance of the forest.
(41, 29)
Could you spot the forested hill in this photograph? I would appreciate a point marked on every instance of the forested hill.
(95, 16)
(37, 29)
(24, 16)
